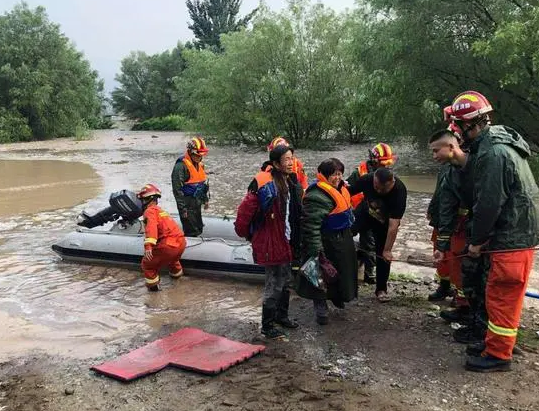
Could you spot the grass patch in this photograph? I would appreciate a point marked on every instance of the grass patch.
(82, 132)
(404, 278)
(528, 339)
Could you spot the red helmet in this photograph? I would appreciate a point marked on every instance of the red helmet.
(278, 141)
(382, 155)
(197, 145)
(149, 190)
(467, 106)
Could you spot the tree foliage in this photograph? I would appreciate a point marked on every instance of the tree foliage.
(146, 83)
(212, 18)
(385, 69)
(47, 89)
(280, 77)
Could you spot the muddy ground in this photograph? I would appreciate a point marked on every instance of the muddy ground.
(59, 319)
(394, 356)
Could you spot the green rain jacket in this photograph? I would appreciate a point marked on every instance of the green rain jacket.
(338, 246)
(506, 197)
(433, 209)
(456, 199)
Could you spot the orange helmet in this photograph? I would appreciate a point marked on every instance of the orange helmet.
(468, 106)
(382, 155)
(277, 141)
(149, 190)
(197, 145)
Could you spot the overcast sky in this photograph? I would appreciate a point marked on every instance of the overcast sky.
(107, 30)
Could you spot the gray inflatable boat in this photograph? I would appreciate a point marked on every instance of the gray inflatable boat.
(218, 252)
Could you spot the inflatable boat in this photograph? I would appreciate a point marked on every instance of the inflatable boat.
(218, 252)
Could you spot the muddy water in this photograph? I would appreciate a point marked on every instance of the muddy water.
(44, 185)
(80, 310)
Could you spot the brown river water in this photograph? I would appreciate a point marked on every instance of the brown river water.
(77, 310)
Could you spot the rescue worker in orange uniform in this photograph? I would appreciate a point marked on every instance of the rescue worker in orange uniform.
(505, 223)
(381, 155)
(164, 241)
(297, 166)
(449, 212)
(190, 186)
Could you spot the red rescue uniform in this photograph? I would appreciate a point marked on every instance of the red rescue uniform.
(167, 242)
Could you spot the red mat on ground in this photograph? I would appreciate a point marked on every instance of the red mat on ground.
(189, 348)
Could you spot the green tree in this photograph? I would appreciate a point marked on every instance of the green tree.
(418, 54)
(147, 83)
(281, 77)
(211, 18)
(46, 86)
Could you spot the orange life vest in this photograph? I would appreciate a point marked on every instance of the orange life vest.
(356, 199)
(160, 228)
(197, 177)
(297, 167)
(341, 216)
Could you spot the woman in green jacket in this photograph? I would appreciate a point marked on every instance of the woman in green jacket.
(325, 229)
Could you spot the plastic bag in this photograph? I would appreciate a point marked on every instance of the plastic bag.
(311, 271)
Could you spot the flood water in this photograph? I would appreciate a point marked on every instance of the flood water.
(78, 310)
(38, 185)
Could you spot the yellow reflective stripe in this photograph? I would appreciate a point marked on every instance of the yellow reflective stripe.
(506, 332)
(149, 240)
(460, 293)
(163, 214)
(152, 281)
(463, 211)
(444, 237)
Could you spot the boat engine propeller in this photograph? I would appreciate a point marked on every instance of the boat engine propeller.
(124, 205)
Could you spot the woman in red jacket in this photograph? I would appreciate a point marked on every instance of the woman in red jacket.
(269, 217)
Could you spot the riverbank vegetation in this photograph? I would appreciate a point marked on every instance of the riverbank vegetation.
(384, 69)
(47, 88)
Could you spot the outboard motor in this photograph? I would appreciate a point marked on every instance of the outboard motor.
(124, 204)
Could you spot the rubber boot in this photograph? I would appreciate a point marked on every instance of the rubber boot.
(268, 328)
(442, 292)
(473, 333)
(281, 315)
(475, 350)
(487, 363)
(321, 311)
(460, 315)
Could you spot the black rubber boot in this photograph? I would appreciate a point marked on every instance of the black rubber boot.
(475, 350)
(268, 328)
(471, 334)
(459, 315)
(281, 315)
(442, 292)
(487, 363)
(153, 288)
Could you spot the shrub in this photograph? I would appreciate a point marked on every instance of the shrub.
(13, 127)
(171, 122)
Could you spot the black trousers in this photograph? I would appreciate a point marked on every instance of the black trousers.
(365, 223)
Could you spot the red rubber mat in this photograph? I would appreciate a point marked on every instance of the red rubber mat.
(189, 349)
